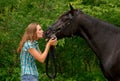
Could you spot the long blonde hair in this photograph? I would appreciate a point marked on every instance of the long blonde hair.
(30, 34)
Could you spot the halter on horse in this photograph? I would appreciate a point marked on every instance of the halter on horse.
(103, 38)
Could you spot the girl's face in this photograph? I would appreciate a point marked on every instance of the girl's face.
(39, 32)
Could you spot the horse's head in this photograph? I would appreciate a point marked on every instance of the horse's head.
(65, 26)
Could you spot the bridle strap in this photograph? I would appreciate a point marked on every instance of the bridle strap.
(51, 64)
(72, 19)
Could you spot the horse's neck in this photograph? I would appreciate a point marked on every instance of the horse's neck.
(91, 30)
(89, 25)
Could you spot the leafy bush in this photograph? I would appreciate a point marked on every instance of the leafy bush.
(76, 62)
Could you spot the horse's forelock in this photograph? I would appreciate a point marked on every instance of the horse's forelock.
(64, 14)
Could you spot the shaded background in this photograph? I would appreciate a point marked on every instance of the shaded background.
(75, 60)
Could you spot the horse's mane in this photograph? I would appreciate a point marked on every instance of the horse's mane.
(107, 25)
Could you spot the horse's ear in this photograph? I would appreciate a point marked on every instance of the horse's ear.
(71, 8)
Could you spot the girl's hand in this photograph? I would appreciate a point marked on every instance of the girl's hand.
(53, 42)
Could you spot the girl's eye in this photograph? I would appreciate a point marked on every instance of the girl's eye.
(40, 29)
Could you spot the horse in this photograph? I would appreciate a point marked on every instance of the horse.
(102, 37)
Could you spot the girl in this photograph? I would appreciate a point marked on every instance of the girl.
(29, 51)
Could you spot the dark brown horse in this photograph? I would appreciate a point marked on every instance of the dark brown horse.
(102, 37)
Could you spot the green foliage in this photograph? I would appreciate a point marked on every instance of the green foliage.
(75, 60)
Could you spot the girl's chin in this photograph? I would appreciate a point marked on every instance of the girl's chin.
(40, 37)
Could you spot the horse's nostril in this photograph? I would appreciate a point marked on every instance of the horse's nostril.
(58, 29)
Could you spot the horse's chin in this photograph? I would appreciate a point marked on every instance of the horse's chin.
(60, 36)
(53, 36)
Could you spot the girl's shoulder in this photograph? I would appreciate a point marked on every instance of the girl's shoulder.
(30, 44)
(27, 43)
